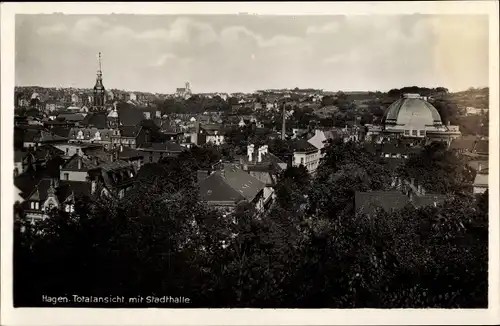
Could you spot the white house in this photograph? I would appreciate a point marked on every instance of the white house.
(306, 154)
(215, 138)
(481, 182)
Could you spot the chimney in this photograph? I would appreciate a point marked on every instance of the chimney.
(250, 150)
(93, 186)
(283, 129)
(79, 163)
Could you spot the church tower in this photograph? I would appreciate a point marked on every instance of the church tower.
(99, 91)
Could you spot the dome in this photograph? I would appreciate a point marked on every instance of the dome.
(412, 112)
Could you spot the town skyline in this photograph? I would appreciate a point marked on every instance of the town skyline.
(161, 53)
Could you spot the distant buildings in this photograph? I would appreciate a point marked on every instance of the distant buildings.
(475, 111)
(184, 92)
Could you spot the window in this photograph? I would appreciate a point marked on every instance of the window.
(414, 132)
(66, 176)
(67, 151)
(151, 158)
(407, 132)
(37, 206)
(32, 205)
(301, 160)
(121, 194)
(422, 132)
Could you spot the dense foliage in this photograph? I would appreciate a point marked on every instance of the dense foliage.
(311, 249)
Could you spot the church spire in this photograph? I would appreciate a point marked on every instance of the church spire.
(99, 91)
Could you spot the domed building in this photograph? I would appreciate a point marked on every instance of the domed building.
(413, 117)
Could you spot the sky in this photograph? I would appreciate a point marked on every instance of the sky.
(232, 53)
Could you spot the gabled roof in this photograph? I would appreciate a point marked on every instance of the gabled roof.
(130, 131)
(63, 190)
(215, 189)
(90, 133)
(482, 146)
(97, 120)
(33, 135)
(129, 115)
(481, 180)
(301, 145)
(464, 143)
(73, 117)
(127, 153)
(61, 131)
(41, 152)
(86, 163)
(230, 185)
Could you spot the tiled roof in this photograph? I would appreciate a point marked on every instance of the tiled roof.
(118, 164)
(215, 189)
(475, 164)
(129, 153)
(231, 184)
(86, 163)
(464, 143)
(167, 147)
(61, 131)
(71, 117)
(481, 180)
(33, 135)
(129, 115)
(482, 146)
(301, 145)
(90, 133)
(130, 131)
(26, 182)
(63, 190)
(41, 152)
(98, 120)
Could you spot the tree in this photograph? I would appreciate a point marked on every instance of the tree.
(437, 170)
(293, 183)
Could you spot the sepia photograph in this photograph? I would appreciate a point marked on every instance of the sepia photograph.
(239, 160)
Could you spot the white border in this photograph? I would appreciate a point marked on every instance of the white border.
(55, 316)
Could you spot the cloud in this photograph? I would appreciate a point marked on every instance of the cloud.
(53, 29)
(375, 52)
(89, 24)
(163, 59)
(323, 29)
